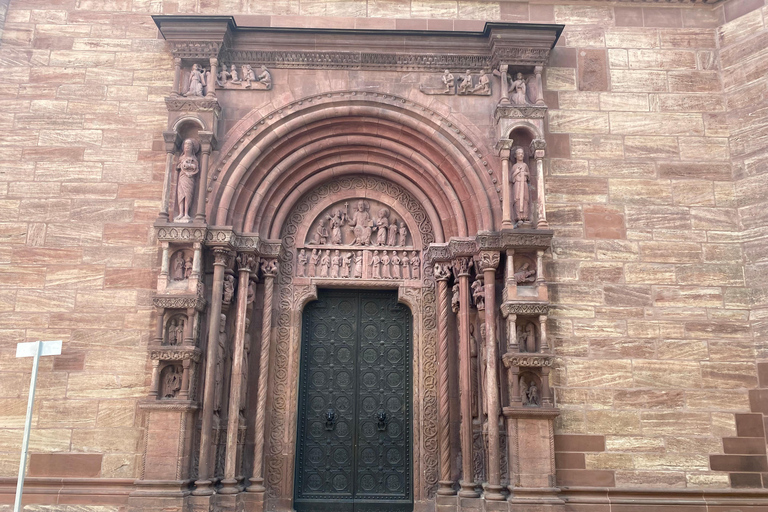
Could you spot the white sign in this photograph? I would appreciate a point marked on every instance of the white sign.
(29, 349)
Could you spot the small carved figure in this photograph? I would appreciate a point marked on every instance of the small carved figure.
(233, 74)
(483, 84)
(196, 82)
(179, 327)
(531, 395)
(455, 298)
(346, 265)
(223, 77)
(251, 292)
(187, 167)
(178, 267)
(395, 265)
(465, 87)
(415, 265)
(335, 263)
(229, 289)
(336, 220)
(376, 264)
(382, 224)
(301, 268)
(521, 178)
(358, 264)
(325, 264)
(269, 266)
(517, 89)
(385, 273)
(392, 233)
(265, 77)
(188, 267)
(524, 275)
(172, 382)
(313, 260)
(405, 261)
(171, 336)
(221, 354)
(321, 234)
(403, 233)
(248, 75)
(363, 225)
(449, 81)
(530, 337)
(478, 294)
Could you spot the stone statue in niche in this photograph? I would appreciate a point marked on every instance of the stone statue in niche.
(521, 178)
(188, 167)
(518, 91)
(376, 265)
(301, 267)
(175, 331)
(197, 83)
(313, 262)
(179, 266)
(346, 265)
(392, 233)
(359, 264)
(478, 294)
(402, 234)
(405, 261)
(325, 263)
(382, 226)
(526, 337)
(455, 298)
(415, 265)
(229, 289)
(465, 84)
(321, 234)
(188, 264)
(529, 393)
(171, 381)
(335, 263)
(385, 273)
(525, 275)
(336, 220)
(395, 265)
(221, 354)
(482, 363)
(362, 223)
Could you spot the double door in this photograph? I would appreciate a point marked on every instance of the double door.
(354, 429)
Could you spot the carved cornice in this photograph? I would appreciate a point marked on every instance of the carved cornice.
(516, 239)
(179, 302)
(527, 360)
(174, 354)
(180, 233)
(519, 112)
(524, 308)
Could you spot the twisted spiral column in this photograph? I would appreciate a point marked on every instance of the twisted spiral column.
(442, 274)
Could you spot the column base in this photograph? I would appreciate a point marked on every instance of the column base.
(468, 490)
(256, 485)
(446, 488)
(203, 488)
(494, 493)
(229, 486)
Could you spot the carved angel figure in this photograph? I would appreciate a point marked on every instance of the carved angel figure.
(196, 82)
(518, 89)
(521, 177)
(187, 167)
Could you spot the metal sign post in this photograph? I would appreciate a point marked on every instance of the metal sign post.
(31, 349)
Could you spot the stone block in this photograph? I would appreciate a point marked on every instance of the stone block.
(601, 272)
(597, 146)
(617, 250)
(640, 191)
(740, 29)
(116, 413)
(562, 167)
(599, 328)
(621, 348)
(624, 101)
(694, 81)
(604, 222)
(576, 294)
(585, 37)
(627, 295)
(663, 423)
(687, 38)
(89, 385)
(657, 374)
(632, 444)
(636, 123)
(711, 275)
(716, 329)
(695, 444)
(693, 192)
(71, 465)
(731, 375)
(593, 70)
(625, 80)
(672, 462)
(658, 217)
(573, 121)
(691, 350)
(690, 103)
(614, 461)
(587, 373)
(651, 147)
(661, 59)
(631, 38)
(670, 252)
(687, 296)
(651, 479)
(560, 79)
(613, 422)
(45, 300)
(618, 58)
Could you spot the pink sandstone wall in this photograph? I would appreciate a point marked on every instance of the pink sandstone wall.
(654, 176)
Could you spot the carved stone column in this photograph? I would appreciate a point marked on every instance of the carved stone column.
(461, 269)
(269, 269)
(205, 469)
(176, 77)
(164, 263)
(537, 151)
(246, 264)
(211, 92)
(155, 383)
(539, 85)
(504, 146)
(207, 144)
(488, 262)
(442, 274)
(184, 391)
(503, 72)
(160, 327)
(171, 141)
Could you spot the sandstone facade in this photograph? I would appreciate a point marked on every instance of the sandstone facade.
(654, 177)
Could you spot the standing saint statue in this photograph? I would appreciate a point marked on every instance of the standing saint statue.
(336, 220)
(518, 89)
(187, 167)
(303, 259)
(196, 82)
(382, 225)
(392, 235)
(521, 178)
(313, 260)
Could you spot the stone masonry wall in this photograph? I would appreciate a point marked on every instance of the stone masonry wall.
(652, 318)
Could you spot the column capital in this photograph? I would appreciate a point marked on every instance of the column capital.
(488, 260)
(269, 267)
(538, 147)
(207, 142)
(222, 256)
(247, 262)
(172, 140)
(462, 266)
(504, 146)
(442, 271)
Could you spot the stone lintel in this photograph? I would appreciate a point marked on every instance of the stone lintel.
(522, 411)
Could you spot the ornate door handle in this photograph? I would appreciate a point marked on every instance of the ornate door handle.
(382, 417)
(330, 419)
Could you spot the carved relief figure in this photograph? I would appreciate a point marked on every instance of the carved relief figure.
(359, 264)
(403, 233)
(178, 267)
(171, 381)
(415, 265)
(478, 294)
(223, 77)
(313, 260)
(448, 81)
(171, 337)
(196, 82)
(233, 74)
(376, 264)
(301, 268)
(465, 87)
(395, 265)
(229, 289)
(346, 265)
(321, 234)
(180, 324)
(265, 77)
(521, 178)
(483, 84)
(392, 233)
(455, 300)
(335, 263)
(530, 337)
(530, 393)
(517, 90)
(325, 264)
(187, 167)
(382, 225)
(248, 75)
(406, 262)
(336, 220)
(188, 267)
(385, 273)
(363, 225)
(221, 354)
(524, 275)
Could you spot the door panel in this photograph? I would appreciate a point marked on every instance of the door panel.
(354, 437)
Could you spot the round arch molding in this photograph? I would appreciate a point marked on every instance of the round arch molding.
(274, 156)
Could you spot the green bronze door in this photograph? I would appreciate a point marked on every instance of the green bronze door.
(354, 431)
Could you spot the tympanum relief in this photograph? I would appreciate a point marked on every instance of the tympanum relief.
(358, 239)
